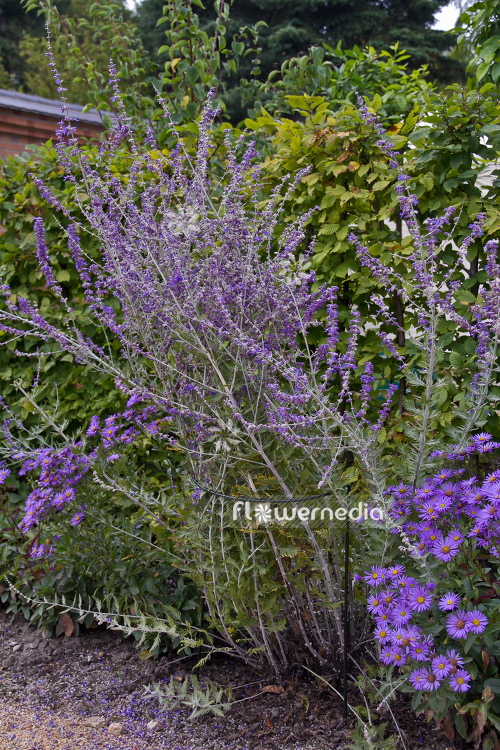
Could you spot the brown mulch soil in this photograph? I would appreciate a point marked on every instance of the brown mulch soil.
(99, 674)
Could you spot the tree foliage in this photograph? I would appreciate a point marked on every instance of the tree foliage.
(293, 27)
(480, 35)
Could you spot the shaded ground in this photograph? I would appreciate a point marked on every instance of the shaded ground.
(50, 688)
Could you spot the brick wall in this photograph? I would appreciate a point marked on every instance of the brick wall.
(18, 128)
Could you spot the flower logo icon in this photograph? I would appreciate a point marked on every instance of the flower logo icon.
(263, 513)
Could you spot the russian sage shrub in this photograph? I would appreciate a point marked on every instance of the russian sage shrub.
(215, 316)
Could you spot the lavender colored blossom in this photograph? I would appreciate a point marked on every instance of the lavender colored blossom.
(445, 549)
(449, 602)
(418, 678)
(431, 681)
(420, 599)
(93, 427)
(375, 577)
(460, 681)
(455, 658)
(77, 518)
(441, 666)
(476, 621)
(457, 625)
(4, 473)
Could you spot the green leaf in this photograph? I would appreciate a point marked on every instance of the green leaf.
(460, 725)
(456, 360)
(192, 74)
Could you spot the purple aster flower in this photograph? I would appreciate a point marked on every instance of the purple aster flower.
(109, 432)
(396, 636)
(135, 399)
(428, 511)
(460, 681)
(429, 537)
(483, 437)
(476, 621)
(420, 651)
(418, 678)
(431, 681)
(4, 473)
(420, 599)
(387, 598)
(441, 666)
(38, 550)
(93, 426)
(456, 624)
(399, 656)
(442, 503)
(382, 635)
(409, 636)
(445, 549)
(114, 457)
(395, 572)
(374, 577)
(402, 490)
(488, 515)
(455, 658)
(425, 491)
(387, 656)
(402, 615)
(449, 602)
(374, 604)
(456, 536)
(491, 479)
(77, 519)
(443, 475)
(405, 583)
(449, 489)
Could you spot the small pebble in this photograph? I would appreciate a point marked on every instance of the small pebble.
(97, 722)
(115, 729)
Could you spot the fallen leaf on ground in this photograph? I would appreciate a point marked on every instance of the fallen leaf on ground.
(275, 689)
(67, 624)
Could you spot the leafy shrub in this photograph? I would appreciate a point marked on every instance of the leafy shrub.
(446, 142)
(215, 324)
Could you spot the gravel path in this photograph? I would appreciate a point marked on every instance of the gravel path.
(87, 693)
(37, 729)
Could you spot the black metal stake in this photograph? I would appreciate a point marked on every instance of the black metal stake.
(202, 613)
(346, 612)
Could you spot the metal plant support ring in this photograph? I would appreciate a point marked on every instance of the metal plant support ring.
(254, 499)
